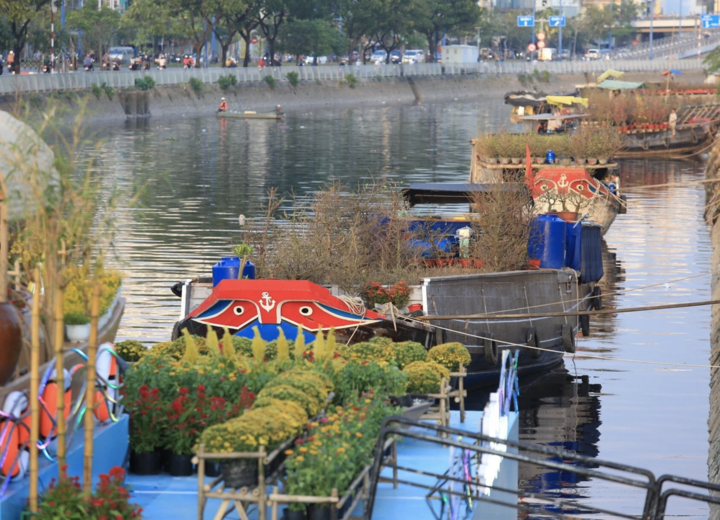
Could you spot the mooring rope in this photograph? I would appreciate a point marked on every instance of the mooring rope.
(571, 313)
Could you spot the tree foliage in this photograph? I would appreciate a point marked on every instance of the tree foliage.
(19, 14)
(311, 37)
(98, 25)
(449, 16)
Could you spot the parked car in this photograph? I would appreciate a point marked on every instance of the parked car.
(414, 56)
(378, 57)
(396, 56)
(322, 60)
(592, 54)
(121, 55)
(564, 54)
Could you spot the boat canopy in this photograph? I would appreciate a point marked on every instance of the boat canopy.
(613, 84)
(553, 117)
(567, 100)
(610, 73)
(454, 192)
(523, 98)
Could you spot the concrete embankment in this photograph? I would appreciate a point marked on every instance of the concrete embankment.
(181, 100)
(713, 214)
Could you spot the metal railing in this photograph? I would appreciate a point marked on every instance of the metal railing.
(644, 496)
(10, 84)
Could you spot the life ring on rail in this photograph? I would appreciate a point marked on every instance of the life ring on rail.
(491, 349)
(107, 374)
(568, 338)
(532, 341)
(14, 458)
(48, 413)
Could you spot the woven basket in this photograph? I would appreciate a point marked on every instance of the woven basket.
(240, 473)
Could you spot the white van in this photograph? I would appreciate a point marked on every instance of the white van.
(414, 56)
(122, 55)
(547, 54)
(592, 54)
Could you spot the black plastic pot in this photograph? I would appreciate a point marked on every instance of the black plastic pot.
(165, 459)
(240, 473)
(147, 463)
(317, 512)
(212, 469)
(180, 465)
(293, 515)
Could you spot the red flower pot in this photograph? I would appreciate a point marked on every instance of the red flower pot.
(414, 307)
(533, 263)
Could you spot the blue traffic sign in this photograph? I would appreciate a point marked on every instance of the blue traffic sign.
(710, 21)
(526, 21)
(556, 21)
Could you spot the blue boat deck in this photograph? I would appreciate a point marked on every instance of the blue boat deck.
(163, 496)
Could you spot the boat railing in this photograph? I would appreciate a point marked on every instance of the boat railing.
(531, 489)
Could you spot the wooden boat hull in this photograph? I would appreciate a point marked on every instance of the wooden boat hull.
(546, 290)
(244, 115)
(688, 138)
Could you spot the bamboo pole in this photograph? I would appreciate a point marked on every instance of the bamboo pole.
(90, 390)
(3, 246)
(60, 375)
(34, 393)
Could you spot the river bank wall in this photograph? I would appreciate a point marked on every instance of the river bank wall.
(712, 172)
(181, 100)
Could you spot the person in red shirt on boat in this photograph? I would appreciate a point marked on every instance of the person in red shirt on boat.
(223, 105)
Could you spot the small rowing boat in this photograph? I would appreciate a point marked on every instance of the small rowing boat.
(251, 114)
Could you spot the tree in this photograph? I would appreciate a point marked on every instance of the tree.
(150, 20)
(195, 20)
(225, 28)
(313, 37)
(272, 14)
(625, 13)
(447, 16)
(19, 14)
(357, 20)
(598, 22)
(394, 21)
(98, 25)
(245, 23)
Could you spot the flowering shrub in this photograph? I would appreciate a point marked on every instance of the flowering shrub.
(64, 499)
(305, 385)
(337, 447)
(450, 355)
(355, 377)
(422, 378)
(267, 426)
(190, 413)
(365, 351)
(286, 392)
(130, 350)
(402, 354)
(440, 370)
(398, 294)
(146, 420)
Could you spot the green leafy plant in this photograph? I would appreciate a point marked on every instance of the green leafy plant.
(270, 81)
(293, 78)
(404, 353)
(196, 85)
(109, 91)
(76, 318)
(96, 90)
(227, 81)
(422, 378)
(145, 83)
(147, 419)
(356, 377)
(352, 80)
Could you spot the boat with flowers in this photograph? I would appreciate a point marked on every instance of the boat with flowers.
(571, 175)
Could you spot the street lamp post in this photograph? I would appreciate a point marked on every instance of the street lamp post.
(652, 17)
(478, 43)
(560, 33)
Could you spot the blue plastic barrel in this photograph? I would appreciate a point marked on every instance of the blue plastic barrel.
(573, 240)
(547, 241)
(228, 268)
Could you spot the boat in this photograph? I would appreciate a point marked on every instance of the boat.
(587, 189)
(246, 307)
(529, 103)
(250, 114)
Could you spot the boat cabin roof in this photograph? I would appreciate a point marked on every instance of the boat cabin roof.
(553, 117)
(453, 192)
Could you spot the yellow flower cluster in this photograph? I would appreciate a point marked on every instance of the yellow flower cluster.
(450, 355)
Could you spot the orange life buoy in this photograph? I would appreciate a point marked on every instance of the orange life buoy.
(48, 416)
(9, 447)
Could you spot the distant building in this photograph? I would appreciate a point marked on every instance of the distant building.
(569, 8)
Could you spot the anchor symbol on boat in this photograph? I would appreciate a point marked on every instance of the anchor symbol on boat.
(563, 182)
(266, 302)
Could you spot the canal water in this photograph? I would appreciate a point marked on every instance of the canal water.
(612, 401)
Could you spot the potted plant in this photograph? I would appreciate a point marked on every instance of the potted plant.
(77, 326)
(147, 422)
(450, 355)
